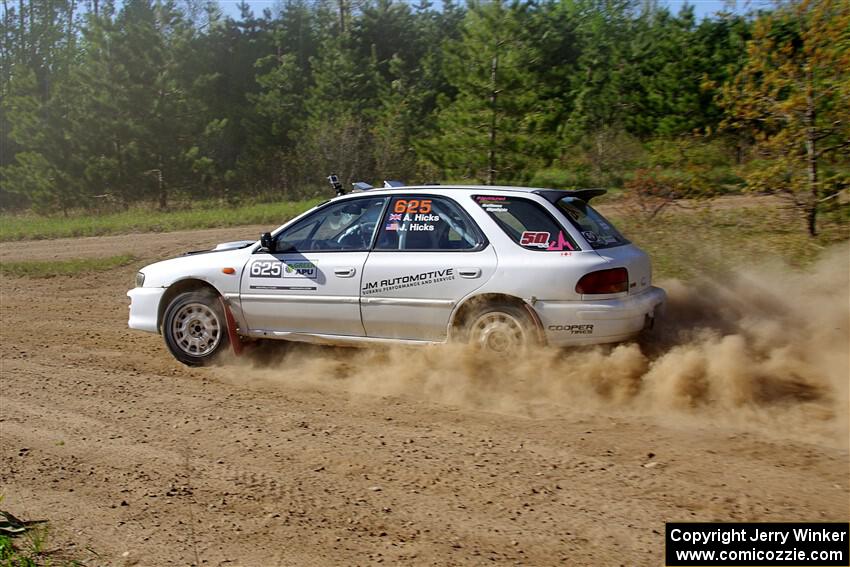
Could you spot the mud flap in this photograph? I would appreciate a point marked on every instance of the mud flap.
(235, 341)
(649, 320)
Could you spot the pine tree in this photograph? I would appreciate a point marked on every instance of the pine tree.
(36, 158)
(794, 91)
(491, 130)
(284, 79)
(606, 74)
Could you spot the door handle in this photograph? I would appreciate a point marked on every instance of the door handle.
(469, 272)
(344, 272)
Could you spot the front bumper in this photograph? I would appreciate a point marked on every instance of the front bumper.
(602, 321)
(144, 308)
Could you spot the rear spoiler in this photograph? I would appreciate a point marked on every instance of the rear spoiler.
(555, 195)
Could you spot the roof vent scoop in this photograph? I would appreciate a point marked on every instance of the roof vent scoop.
(390, 183)
(361, 186)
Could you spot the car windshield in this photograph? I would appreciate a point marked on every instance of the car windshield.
(345, 225)
(598, 232)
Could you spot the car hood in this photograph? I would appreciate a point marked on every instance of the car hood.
(205, 265)
(235, 245)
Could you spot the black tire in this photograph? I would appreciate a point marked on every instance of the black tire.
(501, 328)
(195, 328)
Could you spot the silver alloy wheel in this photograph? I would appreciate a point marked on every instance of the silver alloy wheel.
(498, 331)
(196, 329)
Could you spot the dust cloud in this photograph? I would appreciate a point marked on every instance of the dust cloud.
(764, 348)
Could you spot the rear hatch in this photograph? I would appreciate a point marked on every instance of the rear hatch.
(609, 243)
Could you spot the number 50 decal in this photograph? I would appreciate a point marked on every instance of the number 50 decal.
(266, 269)
(412, 206)
(535, 239)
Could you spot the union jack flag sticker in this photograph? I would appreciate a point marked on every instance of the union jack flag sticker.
(394, 217)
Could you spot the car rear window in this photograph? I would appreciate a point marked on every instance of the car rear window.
(598, 232)
(527, 223)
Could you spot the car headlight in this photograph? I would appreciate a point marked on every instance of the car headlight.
(140, 279)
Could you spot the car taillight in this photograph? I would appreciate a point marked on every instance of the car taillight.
(615, 280)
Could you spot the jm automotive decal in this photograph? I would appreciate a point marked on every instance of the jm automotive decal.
(401, 282)
(286, 269)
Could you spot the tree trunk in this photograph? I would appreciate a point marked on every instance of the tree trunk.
(341, 17)
(160, 187)
(494, 95)
(71, 37)
(811, 153)
(122, 179)
(22, 29)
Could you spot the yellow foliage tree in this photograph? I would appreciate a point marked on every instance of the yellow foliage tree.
(794, 92)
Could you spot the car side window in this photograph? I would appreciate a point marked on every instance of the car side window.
(427, 223)
(348, 225)
(526, 223)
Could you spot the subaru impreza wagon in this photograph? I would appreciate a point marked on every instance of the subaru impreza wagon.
(498, 267)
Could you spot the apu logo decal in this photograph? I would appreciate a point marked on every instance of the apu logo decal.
(301, 269)
(274, 269)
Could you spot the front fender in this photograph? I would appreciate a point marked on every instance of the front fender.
(221, 270)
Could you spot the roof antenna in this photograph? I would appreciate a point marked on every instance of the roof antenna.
(335, 184)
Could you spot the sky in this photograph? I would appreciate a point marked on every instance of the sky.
(702, 8)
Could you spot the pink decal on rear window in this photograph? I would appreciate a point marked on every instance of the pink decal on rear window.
(562, 243)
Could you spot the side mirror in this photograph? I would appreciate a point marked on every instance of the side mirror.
(267, 242)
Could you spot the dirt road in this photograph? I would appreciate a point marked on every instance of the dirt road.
(318, 457)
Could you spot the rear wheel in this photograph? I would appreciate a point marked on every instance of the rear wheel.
(501, 328)
(194, 328)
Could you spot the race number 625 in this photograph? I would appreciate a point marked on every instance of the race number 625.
(412, 206)
(266, 269)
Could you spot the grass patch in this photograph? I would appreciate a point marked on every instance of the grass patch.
(72, 267)
(35, 227)
(29, 550)
(685, 244)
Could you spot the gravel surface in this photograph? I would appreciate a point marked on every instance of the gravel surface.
(137, 460)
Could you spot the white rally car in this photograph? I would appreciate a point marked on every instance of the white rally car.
(499, 267)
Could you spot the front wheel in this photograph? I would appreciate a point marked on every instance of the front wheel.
(195, 328)
(501, 329)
